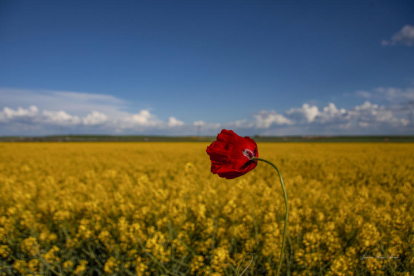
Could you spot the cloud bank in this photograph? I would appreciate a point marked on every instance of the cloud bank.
(103, 114)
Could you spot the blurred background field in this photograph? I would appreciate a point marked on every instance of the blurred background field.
(156, 209)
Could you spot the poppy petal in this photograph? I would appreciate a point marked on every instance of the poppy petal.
(231, 154)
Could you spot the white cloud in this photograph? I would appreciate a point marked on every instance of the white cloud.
(385, 42)
(206, 127)
(77, 103)
(331, 113)
(95, 118)
(364, 94)
(173, 122)
(10, 114)
(87, 97)
(309, 119)
(369, 114)
(405, 122)
(60, 118)
(199, 123)
(142, 119)
(265, 119)
(364, 117)
(366, 106)
(390, 94)
(404, 36)
(306, 112)
(240, 124)
(32, 115)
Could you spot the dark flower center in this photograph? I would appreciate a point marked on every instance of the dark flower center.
(248, 153)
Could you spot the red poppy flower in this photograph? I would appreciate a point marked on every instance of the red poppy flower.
(231, 155)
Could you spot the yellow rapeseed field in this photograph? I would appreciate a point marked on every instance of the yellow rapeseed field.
(156, 209)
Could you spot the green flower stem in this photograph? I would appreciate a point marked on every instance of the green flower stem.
(287, 212)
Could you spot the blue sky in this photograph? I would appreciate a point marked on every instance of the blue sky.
(166, 67)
